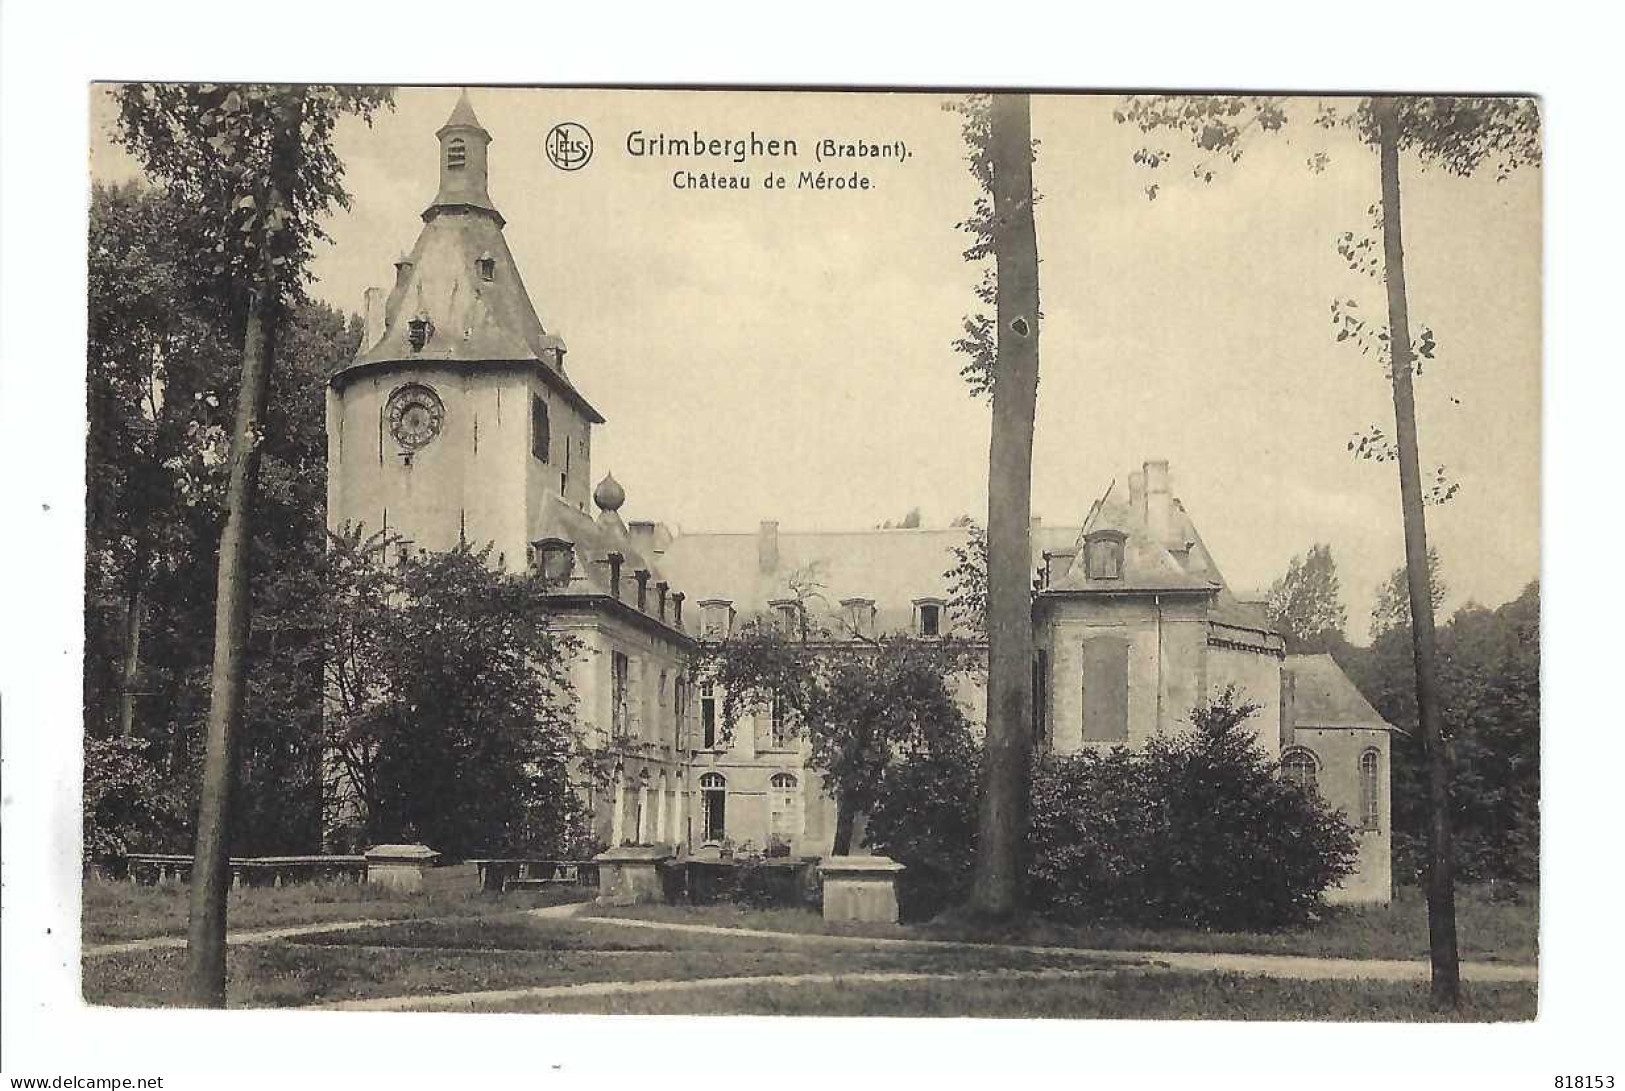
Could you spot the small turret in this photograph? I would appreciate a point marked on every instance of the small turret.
(463, 162)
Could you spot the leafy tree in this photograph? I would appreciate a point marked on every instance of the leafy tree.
(1392, 609)
(1461, 135)
(1306, 604)
(129, 805)
(860, 703)
(451, 715)
(1490, 685)
(258, 164)
(1002, 362)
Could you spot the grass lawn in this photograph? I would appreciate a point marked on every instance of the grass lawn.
(1489, 931)
(115, 911)
(425, 957)
(1129, 995)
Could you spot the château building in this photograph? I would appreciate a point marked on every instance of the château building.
(458, 420)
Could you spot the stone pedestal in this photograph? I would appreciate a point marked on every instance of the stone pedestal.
(860, 888)
(631, 874)
(400, 867)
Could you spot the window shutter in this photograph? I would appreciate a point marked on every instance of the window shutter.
(1105, 689)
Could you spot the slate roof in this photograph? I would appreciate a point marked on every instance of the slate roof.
(1324, 697)
(891, 567)
(472, 319)
(1147, 564)
(594, 540)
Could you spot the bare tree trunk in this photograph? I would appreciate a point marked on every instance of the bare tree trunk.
(1441, 878)
(997, 889)
(845, 820)
(211, 869)
(135, 608)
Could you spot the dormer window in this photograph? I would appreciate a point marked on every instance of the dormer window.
(787, 615)
(716, 619)
(487, 267)
(456, 154)
(418, 332)
(553, 559)
(1103, 555)
(859, 616)
(928, 616)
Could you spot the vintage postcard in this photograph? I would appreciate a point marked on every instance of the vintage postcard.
(695, 552)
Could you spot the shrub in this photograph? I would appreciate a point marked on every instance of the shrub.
(129, 804)
(1198, 830)
(925, 819)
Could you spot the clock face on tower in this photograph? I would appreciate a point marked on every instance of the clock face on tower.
(416, 415)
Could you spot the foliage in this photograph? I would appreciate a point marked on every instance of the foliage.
(214, 147)
(450, 707)
(1489, 680)
(1198, 830)
(858, 703)
(1306, 605)
(967, 582)
(129, 804)
(160, 376)
(925, 819)
(1392, 609)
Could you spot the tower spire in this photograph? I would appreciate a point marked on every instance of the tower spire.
(464, 144)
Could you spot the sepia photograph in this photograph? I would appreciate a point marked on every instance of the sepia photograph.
(1042, 555)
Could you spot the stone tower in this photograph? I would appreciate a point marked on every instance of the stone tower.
(456, 417)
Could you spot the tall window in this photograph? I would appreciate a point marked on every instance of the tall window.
(708, 717)
(714, 806)
(779, 714)
(679, 700)
(1370, 770)
(619, 668)
(660, 703)
(1040, 694)
(784, 810)
(1300, 767)
(541, 438)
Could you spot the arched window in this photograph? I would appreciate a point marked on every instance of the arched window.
(456, 154)
(785, 781)
(1300, 767)
(713, 806)
(784, 814)
(1370, 787)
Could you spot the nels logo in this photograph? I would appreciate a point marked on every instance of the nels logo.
(568, 145)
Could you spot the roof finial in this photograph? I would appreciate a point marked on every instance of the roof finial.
(609, 496)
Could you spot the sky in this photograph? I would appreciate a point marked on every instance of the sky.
(786, 354)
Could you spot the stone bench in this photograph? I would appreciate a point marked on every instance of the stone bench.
(502, 874)
(161, 867)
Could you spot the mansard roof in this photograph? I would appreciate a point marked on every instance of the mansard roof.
(593, 542)
(892, 567)
(462, 288)
(1148, 564)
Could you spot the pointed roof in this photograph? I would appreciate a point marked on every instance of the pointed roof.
(462, 116)
(1148, 566)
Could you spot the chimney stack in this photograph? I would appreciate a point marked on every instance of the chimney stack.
(372, 317)
(1159, 502)
(1136, 493)
(767, 547)
(642, 533)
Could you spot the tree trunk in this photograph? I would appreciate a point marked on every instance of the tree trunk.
(135, 606)
(1441, 878)
(211, 870)
(845, 819)
(997, 889)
